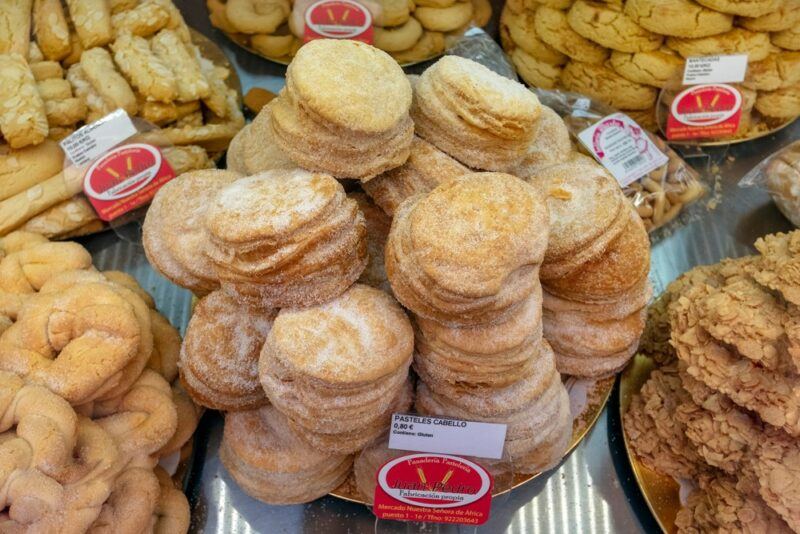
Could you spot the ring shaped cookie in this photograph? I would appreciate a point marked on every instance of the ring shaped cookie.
(273, 45)
(398, 38)
(257, 16)
(445, 19)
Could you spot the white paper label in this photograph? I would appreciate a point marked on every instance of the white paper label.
(95, 139)
(443, 435)
(622, 147)
(715, 69)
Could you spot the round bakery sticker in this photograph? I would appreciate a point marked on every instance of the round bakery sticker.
(125, 178)
(338, 19)
(705, 111)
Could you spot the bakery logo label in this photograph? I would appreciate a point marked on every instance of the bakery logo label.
(338, 19)
(125, 178)
(707, 111)
(435, 488)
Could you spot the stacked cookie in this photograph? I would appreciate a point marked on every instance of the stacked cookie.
(344, 110)
(272, 463)
(722, 408)
(339, 370)
(306, 245)
(219, 355)
(410, 32)
(478, 117)
(594, 271)
(623, 53)
(465, 259)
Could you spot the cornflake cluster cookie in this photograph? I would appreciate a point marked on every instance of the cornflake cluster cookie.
(478, 117)
(369, 135)
(408, 31)
(595, 269)
(88, 416)
(722, 413)
(464, 258)
(622, 53)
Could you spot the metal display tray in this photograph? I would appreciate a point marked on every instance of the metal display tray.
(592, 491)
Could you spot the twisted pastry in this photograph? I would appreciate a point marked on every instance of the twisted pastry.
(18, 240)
(56, 469)
(188, 417)
(172, 510)
(77, 342)
(142, 420)
(131, 505)
(70, 279)
(166, 347)
(44, 421)
(26, 270)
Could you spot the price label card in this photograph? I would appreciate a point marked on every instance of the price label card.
(708, 111)
(93, 140)
(337, 19)
(715, 69)
(447, 436)
(434, 488)
(622, 147)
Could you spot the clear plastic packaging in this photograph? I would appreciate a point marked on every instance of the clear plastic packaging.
(660, 196)
(779, 174)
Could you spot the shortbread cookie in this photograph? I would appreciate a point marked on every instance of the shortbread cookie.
(520, 29)
(780, 104)
(603, 83)
(609, 26)
(553, 28)
(445, 19)
(743, 8)
(784, 17)
(788, 39)
(781, 69)
(737, 41)
(678, 18)
(656, 68)
(535, 72)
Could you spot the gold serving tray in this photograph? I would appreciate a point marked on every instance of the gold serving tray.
(241, 39)
(661, 493)
(596, 399)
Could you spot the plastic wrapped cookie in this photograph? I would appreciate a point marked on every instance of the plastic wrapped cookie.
(780, 175)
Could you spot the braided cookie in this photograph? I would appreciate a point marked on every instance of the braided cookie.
(27, 270)
(58, 336)
(142, 420)
(131, 372)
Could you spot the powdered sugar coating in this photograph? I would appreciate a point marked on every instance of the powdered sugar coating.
(360, 336)
(469, 234)
(270, 204)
